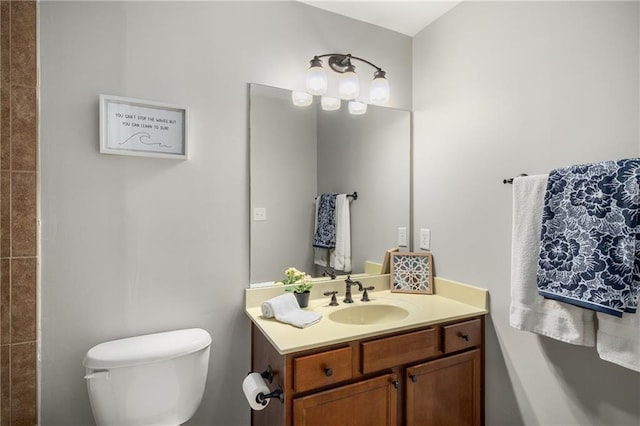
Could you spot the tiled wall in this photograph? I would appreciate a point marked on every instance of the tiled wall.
(18, 212)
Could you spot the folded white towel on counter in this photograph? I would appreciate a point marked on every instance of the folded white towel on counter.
(619, 340)
(285, 309)
(529, 311)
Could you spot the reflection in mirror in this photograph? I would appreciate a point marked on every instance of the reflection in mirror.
(297, 153)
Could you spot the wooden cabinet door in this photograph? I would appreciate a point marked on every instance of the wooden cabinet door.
(371, 402)
(445, 392)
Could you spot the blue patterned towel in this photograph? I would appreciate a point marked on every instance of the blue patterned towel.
(325, 235)
(590, 239)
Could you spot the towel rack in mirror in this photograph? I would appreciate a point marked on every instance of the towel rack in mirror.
(510, 180)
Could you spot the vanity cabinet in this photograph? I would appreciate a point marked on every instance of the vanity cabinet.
(371, 402)
(431, 375)
(445, 391)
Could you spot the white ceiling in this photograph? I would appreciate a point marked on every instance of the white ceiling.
(406, 17)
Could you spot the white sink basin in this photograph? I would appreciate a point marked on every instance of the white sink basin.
(369, 314)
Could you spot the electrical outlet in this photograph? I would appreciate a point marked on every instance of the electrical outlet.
(425, 239)
(402, 237)
(259, 214)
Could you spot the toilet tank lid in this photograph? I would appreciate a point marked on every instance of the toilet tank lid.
(146, 349)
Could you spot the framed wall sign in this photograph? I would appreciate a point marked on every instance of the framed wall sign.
(144, 128)
(412, 273)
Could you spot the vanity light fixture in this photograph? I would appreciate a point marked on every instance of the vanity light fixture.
(301, 99)
(357, 108)
(379, 89)
(349, 83)
(329, 103)
(316, 81)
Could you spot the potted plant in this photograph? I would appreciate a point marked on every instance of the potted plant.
(300, 283)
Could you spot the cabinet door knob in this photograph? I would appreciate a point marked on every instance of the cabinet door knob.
(465, 337)
(413, 378)
(328, 372)
(396, 384)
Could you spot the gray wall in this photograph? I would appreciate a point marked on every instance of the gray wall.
(522, 87)
(135, 245)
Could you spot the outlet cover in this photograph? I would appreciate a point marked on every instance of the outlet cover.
(402, 237)
(259, 214)
(425, 239)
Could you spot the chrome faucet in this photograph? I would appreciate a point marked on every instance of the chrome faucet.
(347, 294)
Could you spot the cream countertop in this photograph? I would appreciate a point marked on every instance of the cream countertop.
(451, 301)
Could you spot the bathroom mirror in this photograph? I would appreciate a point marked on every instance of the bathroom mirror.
(298, 153)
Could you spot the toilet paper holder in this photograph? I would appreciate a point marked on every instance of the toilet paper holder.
(267, 374)
(263, 398)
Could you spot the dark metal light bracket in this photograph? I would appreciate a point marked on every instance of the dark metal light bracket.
(341, 63)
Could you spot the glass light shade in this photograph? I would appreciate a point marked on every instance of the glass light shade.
(357, 108)
(349, 85)
(316, 80)
(301, 99)
(330, 104)
(379, 91)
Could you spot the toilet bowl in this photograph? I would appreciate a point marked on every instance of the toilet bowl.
(155, 379)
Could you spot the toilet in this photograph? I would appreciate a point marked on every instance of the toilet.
(155, 379)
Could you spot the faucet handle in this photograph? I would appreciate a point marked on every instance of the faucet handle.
(334, 301)
(365, 295)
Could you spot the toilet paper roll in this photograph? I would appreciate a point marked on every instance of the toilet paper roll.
(252, 385)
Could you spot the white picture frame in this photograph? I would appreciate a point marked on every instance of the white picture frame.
(137, 127)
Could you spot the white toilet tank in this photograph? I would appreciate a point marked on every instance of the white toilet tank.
(156, 379)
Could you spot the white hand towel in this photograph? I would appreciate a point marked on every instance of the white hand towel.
(285, 309)
(321, 256)
(619, 340)
(529, 311)
(342, 254)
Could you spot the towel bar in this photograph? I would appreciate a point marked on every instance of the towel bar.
(354, 195)
(510, 180)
